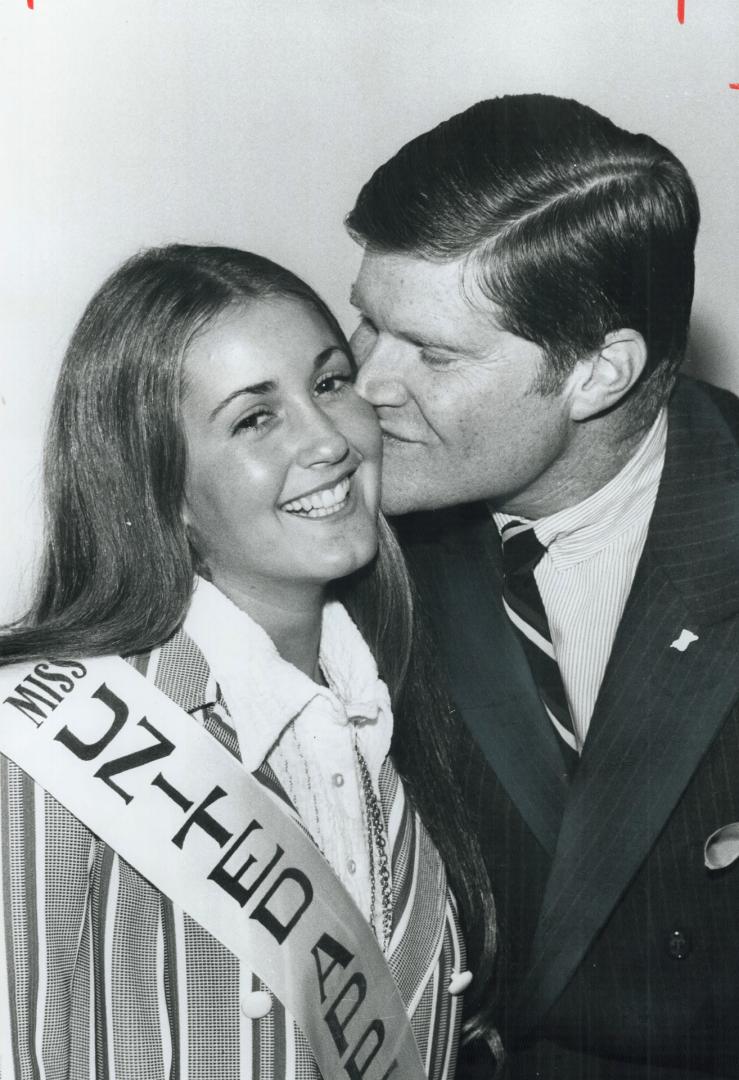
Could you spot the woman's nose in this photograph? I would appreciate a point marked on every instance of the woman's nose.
(321, 442)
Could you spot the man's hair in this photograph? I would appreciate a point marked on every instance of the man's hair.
(572, 226)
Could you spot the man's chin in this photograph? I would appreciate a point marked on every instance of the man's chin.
(396, 501)
(408, 500)
(409, 491)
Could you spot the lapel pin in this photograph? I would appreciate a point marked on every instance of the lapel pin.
(687, 637)
(722, 847)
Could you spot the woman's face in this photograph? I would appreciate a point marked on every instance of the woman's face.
(283, 473)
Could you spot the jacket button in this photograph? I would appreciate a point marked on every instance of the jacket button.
(678, 945)
(459, 982)
(256, 1005)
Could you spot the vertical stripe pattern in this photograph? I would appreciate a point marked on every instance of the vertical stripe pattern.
(586, 573)
(106, 980)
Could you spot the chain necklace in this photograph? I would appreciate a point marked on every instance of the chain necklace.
(377, 848)
(379, 864)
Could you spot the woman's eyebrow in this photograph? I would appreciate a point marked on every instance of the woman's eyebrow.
(326, 354)
(265, 387)
(268, 386)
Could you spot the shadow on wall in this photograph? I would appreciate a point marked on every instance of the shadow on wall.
(706, 357)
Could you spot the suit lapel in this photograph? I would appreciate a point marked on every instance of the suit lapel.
(184, 675)
(661, 710)
(490, 681)
(659, 707)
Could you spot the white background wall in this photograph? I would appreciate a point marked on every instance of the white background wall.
(125, 123)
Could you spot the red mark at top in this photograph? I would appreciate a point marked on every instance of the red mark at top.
(30, 4)
(680, 19)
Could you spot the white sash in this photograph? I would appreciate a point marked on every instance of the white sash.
(147, 779)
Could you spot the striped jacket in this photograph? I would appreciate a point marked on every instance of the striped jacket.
(103, 978)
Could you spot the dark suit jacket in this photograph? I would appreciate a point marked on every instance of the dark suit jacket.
(620, 951)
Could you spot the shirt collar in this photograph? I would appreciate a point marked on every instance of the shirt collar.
(577, 532)
(265, 693)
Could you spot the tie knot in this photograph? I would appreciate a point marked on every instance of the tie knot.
(522, 548)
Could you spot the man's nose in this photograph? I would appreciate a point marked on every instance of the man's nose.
(320, 441)
(379, 380)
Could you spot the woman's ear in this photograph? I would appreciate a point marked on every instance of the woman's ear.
(601, 381)
(186, 515)
(199, 564)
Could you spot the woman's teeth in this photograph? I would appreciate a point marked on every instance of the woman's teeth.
(321, 503)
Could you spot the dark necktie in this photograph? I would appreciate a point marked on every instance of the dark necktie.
(522, 551)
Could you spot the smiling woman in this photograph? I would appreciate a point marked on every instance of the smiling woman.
(212, 485)
(283, 456)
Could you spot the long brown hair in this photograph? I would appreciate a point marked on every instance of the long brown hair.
(118, 568)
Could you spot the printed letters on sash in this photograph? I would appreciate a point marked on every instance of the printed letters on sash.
(146, 778)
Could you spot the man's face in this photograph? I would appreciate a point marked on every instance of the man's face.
(453, 393)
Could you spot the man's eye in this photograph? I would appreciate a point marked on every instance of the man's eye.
(254, 421)
(436, 360)
(334, 382)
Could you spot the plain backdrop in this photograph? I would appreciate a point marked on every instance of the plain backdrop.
(125, 123)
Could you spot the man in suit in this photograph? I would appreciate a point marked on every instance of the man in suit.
(571, 511)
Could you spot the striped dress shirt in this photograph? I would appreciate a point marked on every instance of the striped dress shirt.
(102, 977)
(586, 574)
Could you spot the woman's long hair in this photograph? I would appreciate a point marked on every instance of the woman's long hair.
(381, 600)
(118, 568)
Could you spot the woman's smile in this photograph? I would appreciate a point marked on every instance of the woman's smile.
(327, 501)
(276, 434)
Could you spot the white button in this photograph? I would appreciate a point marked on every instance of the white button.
(338, 779)
(351, 866)
(256, 1004)
(459, 982)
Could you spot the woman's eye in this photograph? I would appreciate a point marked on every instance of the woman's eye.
(334, 382)
(254, 421)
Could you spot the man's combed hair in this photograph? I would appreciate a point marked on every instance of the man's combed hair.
(572, 226)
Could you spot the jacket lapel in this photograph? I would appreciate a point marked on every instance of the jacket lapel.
(419, 891)
(180, 670)
(659, 708)
(490, 680)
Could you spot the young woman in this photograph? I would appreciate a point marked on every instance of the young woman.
(212, 497)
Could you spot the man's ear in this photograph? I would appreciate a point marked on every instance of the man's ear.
(604, 378)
